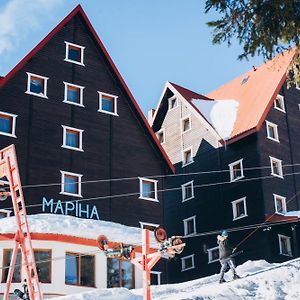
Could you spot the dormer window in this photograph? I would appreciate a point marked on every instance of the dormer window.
(73, 94)
(74, 53)
(108, 103)
(173, 102)
(37, 85)
(279, 103)
(186, 124)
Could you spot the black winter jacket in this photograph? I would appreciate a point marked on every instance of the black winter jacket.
(224, 249)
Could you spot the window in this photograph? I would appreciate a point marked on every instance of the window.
(72, 138)
(187, 156)
(7, 254)
(148, 189)
(8, 124)
(120, 273)
(187, 191)
(108, 103)
(150, 226)
(186, 124)
(73, 94)
(213, 254)
(276, 167)
(280, 204)
(43, 265)
(272, 131)
(74, 53)
(173, 102)
(155, 277)
(285, 245)
(279, 103)
(4, 213)
(187, 263)
(161, 136)
(37, 85)
(189, 225)
(70, 184)
(80, 269)
(239, 209)
(236, 170)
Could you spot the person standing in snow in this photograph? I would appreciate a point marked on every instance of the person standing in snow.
(225, 253)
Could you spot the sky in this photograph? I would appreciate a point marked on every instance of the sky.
(150, 42)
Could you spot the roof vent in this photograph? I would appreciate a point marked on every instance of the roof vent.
(245, 80)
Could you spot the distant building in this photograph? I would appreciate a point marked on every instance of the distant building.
(238, 149)
(84, 147)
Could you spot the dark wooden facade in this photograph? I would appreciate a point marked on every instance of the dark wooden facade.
(212, 202)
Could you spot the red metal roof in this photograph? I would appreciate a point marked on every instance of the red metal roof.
(255, 91)
(280, 218)
(79, 10)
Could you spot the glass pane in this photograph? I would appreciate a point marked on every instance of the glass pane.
(240, 209)
(154, 278)
(107, 104)
(237, 171)
(74, 53)
(188, 263)
(6, 263)
(113, 272)
(186, 125)
(71, 275)
(71, 185)
(5, 124)
(190, 226)
(87, 271)
(43, 267)
(73, 94)
(72, 138)
(127, 274)
(188, 157)
(148, 189)
(188, 191)
(36, 85)
(279, 205)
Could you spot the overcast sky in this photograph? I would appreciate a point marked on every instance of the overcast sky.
(149, 41)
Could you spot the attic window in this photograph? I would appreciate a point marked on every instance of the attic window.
(108, 103)
(245, 80)
(173, 102)
(187, 157)
(37, 85)
(74, 53)
(186, 124)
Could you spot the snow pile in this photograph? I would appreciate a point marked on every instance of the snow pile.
(68, 225)
(221, 114)
(262, 281)
(294, 213)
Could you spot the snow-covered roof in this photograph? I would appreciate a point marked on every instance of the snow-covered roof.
(221, 114)
(72, 226)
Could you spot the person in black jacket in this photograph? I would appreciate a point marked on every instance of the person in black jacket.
(225, 253)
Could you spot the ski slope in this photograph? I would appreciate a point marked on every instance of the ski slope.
(261, 280)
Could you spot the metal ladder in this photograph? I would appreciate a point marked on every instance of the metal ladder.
(9, 169)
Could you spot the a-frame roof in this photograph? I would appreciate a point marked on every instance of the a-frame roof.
(79, 10)
(255, 92)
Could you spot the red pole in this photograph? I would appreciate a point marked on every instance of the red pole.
(146, 270)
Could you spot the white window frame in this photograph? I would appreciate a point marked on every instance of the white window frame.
(183, 156)
(279, 161)
(81, 63)
(282, 103)
(63, 173)
(280, 236)
(231, 165)
(234, 210)
(147, 224)
(185, 225)
(142, 179)
(183, 190)
(182, 120)
(44, 95)
(209, 252)
(170, 101)
(80, 131)
(275, 127)
(283, 199)
(80, 94)
(192, 256)
(115, 113)
(158, 273)
(13, 125)
(6, 211)
(163, 132)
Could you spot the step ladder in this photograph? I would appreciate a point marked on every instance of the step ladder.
(9, 169)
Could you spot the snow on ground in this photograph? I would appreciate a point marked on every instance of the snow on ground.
(220, 113)
(68, 225)
(262, 281)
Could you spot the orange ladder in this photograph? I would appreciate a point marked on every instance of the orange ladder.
(9, 169)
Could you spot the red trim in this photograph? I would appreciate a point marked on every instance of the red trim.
(78, 9)
(280, 218)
